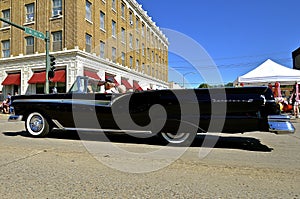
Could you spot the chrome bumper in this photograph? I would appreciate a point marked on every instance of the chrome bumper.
(280, 124)
(14, 118)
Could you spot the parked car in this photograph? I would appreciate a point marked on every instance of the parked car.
(175, 116)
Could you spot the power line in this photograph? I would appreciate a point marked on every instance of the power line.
(229, 58)
(230, 66)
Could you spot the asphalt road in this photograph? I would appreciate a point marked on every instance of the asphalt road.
(65, 165)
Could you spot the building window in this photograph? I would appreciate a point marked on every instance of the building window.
(88, 11)
(137, 64)
(113, 54)
(137, 22)
(143, 49)
(29, 45)
(148, 70)
(143, 30)
(57, 41)
(57, 8)
(6, 15)
(113, 4)
(102, 49)
(143, 67)
(113, 28)
(6, 48)
(152, 57)
(137, 45)
(148, 34)
(131, 62)
(29, 12)
(88, 43)
(148, 53)
(152, 38)
(123, 35)
(122, 10)
(123, 58)
(130, 18)
(130, 41)
(102, 20)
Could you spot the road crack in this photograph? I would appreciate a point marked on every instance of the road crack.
(24, 158)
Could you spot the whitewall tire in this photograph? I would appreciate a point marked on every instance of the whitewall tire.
(178, 139)
(36, 125)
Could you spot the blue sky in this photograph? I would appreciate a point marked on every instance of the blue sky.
(238, 35)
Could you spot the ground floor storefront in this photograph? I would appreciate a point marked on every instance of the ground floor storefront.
(26, 74)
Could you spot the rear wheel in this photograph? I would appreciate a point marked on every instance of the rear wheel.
(181, 139)
(36, 125)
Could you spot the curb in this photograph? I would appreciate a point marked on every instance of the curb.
(4, 116)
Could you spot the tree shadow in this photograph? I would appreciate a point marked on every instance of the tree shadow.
(203, 140)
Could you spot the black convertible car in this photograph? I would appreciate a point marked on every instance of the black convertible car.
(176, 116)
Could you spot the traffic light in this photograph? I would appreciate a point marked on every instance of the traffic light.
(50, 74)
(52, 67)
(52, 62)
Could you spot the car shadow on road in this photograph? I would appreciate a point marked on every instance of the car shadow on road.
(203, 140)
(231, 142)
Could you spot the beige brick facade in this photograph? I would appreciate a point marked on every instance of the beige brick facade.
(145, 47)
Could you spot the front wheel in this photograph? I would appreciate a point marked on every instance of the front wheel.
(180, 139)
(36, 125)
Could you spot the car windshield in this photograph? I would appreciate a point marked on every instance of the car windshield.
(86, 85)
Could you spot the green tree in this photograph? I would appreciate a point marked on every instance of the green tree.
(204, 85)
(230, 84)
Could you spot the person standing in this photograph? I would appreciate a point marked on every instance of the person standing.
(1, 101)
(277, 90)
(7, 103)
(295, 100)
(1, 96)
(54, 90)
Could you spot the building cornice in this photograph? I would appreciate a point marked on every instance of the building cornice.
(138, 8)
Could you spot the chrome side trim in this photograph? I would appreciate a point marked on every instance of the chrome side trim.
(109, 130)
(231, 101)
(280, 124)
(14, 118)
(61, 127)
(264, 99)
(105, 103)
(270, 101)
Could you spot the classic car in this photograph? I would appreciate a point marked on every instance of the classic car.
(175, 116)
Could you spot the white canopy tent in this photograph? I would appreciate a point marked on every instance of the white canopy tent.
(270, 72)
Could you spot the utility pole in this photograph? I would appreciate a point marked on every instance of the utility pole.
(47, 40)
(39, 35)
(183, 77)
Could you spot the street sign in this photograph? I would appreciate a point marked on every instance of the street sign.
(39, 35)
(34, 33)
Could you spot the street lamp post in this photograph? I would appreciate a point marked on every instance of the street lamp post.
(184, 76)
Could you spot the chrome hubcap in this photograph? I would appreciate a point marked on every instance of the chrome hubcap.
(36, 123)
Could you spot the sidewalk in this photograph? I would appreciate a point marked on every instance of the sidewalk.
(4, 116)
(295, 120)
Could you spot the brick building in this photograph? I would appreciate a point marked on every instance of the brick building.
(96, 38)
(296, 59)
